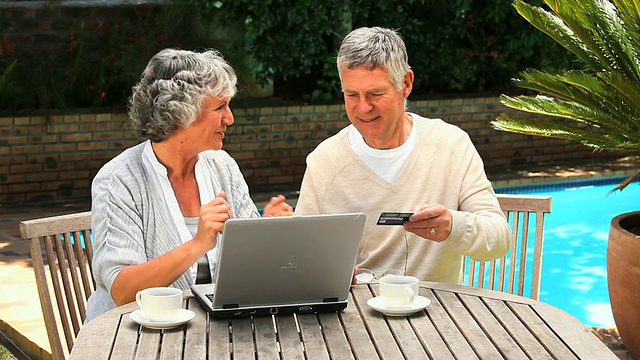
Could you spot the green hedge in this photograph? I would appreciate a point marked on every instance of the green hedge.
(461, 46)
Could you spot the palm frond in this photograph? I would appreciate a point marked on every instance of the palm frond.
(629, 12)
(624, 183)
(606, 96)
(553, 26)
(628, 90)
(548, 106)
(553, 85)
(588, 116)
(560, 130)
(580, 88)
(613, 95)
(616, 52)
(574, 15)
(599, 105)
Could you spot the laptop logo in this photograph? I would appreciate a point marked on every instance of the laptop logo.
(289, 262)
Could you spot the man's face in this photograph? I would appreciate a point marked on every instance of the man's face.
(374, 105)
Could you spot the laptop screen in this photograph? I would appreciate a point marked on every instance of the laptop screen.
(286, 261)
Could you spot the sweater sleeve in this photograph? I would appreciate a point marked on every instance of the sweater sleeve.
(117, 234)
(324, 164)
(479, 227)
(243, 205)
(308, 202)
(233, 184)
(117, 229)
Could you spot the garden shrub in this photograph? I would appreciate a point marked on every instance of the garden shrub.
(461, 46)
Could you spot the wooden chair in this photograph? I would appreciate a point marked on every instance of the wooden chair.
(509, 273)
(62, 244)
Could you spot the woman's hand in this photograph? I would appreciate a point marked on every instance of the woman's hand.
(166, 268)
(356, 270)
(212, 218)
(277, 206)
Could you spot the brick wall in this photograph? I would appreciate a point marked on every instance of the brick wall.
(54, 158)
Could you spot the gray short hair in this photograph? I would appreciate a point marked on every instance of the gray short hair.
(173, 88)
(375, 47)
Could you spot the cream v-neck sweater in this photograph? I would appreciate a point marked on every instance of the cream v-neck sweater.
(443, 168)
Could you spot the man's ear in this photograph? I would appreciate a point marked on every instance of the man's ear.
(407, 84)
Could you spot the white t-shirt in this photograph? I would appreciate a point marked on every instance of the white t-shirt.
(386, 163)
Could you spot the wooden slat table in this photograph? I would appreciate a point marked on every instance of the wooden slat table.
(460, 323)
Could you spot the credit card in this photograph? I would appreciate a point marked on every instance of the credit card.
(393, 218)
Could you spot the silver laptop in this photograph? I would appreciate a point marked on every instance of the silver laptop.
(276, 265)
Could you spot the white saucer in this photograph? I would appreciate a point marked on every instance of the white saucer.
(419, 303)
(184, 316)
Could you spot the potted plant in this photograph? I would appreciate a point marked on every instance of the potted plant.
(597, 105)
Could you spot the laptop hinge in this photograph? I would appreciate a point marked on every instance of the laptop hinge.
(230, 306)
(330, 300)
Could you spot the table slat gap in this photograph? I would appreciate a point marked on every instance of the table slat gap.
(451, 334)
(356, 328)
(492, 328)
(428, 334)
(379, 331)
(405, 335)
(195, 340)
(266, 342)
(564, 325)
(149, 343)
(242, 345)
(474, 335)
(518, 331)
(545, 335)
(219, 339)
(173, 343)
(289, 338)
(125, 344)
(335, 335)
(312, 338)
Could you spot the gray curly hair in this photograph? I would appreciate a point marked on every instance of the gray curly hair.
(173, 88)
(375, 47)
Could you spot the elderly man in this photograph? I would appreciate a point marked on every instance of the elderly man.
(389, 159)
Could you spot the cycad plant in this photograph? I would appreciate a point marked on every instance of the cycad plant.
(598, 105)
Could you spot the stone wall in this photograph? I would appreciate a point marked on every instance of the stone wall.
(54, 158)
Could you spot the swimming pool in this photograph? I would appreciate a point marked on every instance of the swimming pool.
(574, 268)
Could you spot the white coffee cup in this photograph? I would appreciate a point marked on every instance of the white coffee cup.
(160, 303)
(398, 291)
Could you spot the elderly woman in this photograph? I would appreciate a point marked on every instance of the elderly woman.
(158, 208)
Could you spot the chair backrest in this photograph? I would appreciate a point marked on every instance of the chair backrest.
(525, 214)
(62, 244)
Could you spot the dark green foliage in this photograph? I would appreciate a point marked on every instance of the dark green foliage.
(99, 62)
(290, 43)
(7, 86)
(454, 47)
(476, 46)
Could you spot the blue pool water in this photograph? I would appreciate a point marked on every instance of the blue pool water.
(574, 269)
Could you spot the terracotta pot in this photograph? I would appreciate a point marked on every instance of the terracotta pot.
(623, 274)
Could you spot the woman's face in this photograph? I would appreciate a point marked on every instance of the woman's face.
(209, 128)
